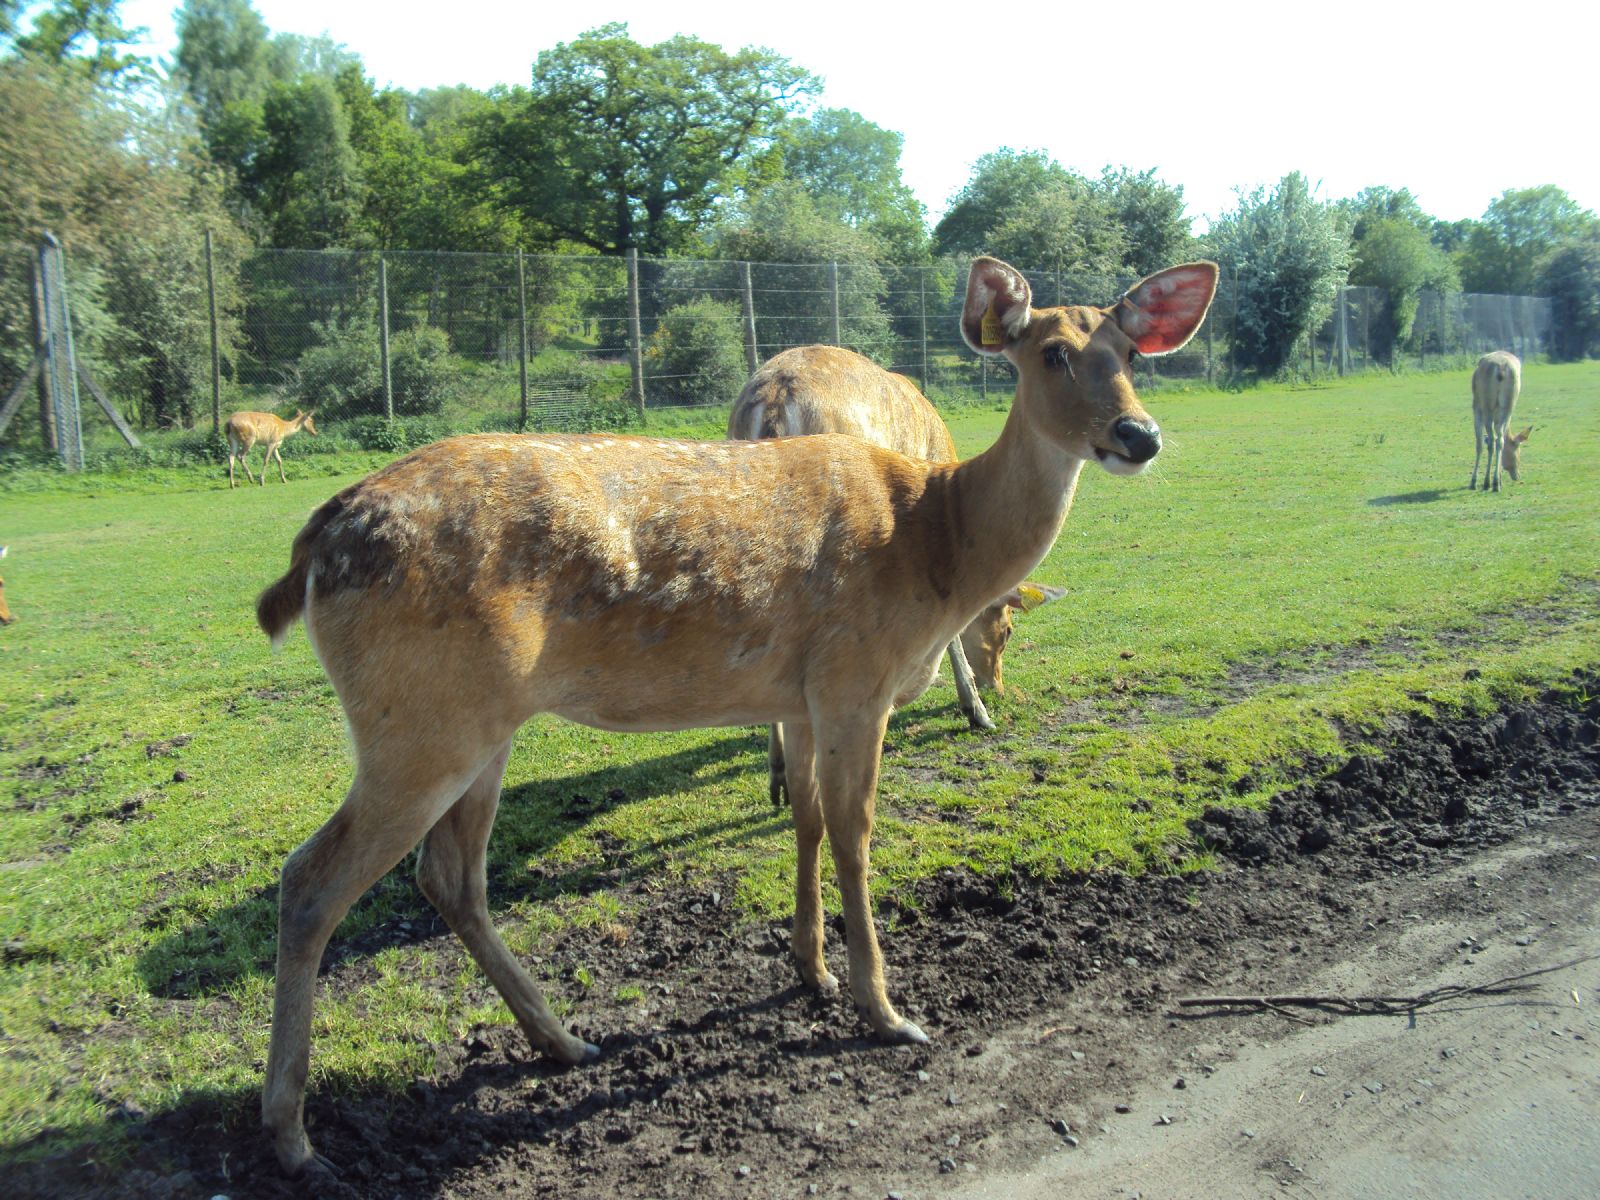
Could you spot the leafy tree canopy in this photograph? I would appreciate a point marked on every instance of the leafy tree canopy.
(851, 167)
(621, 145)
(1156, 234)
(1286, 253)
(1000, 180)
(86, 35)
(1520, 231)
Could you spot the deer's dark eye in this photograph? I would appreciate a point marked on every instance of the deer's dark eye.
(1056, 356)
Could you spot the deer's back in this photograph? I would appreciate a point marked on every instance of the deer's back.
(1496, 382)
(826, 389)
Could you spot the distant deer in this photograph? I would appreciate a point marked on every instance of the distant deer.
(5, 609)
(245, 429)
(1496, 383)
(634, 584)
(826, 389)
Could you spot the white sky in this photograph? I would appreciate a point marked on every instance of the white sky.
(1457, 102)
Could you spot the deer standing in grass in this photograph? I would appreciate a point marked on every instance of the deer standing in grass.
(245, 429)
(635, 584)
(827, 389)
(1496, 383)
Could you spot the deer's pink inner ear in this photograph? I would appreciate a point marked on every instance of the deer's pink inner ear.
(1163, 312)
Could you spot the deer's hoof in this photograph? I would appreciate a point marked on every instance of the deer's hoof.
(824, 981)
(907, 1033)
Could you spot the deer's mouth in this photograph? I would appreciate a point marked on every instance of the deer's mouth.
(1119, 464)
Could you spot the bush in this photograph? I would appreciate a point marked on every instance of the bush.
(1286, 256)
(342, 376)
(394, 436)
(696, 355)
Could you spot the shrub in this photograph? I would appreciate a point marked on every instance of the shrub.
(1286, 256)
(696, 355)
(342, 376)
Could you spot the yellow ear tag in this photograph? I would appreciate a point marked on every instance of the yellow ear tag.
(990, 333)
(1032, 597)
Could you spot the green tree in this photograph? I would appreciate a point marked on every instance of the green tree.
(1155, 233)
(223, 56)
(622, 145)
(125, 191)
(1067, 225)
(1000, 181)
(1571, 278)
(303, 174)
(1396, 254)
(1285, 254)
(86, 35)
(851, 167)
(1374, 204)
(1521, 229)
(783, 224)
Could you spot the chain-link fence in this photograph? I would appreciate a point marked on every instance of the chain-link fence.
(508, 341)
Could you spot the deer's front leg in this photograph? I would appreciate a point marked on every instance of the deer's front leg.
(847, 753)
(799, 768)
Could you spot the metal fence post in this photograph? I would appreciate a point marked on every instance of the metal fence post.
(61, 360)
(747, 302)
(635, 332)
(41, 342)
(922, 310)
(216, 349)
(833, 276)
(383, 337)
(522, 343)
(1211, 378)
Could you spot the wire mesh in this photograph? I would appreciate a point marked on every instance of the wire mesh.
(505, 341)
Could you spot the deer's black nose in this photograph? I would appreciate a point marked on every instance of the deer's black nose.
(1141, 439)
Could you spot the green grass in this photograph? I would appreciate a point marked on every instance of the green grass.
(1299, 568)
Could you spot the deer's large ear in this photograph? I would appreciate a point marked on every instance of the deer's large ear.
(1029, 596)
(1162, 312)
(997, 307)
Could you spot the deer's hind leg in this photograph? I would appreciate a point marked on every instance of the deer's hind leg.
(1477, 449)
(800, 773)
(451, 874)
(393, 801)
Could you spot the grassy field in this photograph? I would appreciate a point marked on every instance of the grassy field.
(1299, 568)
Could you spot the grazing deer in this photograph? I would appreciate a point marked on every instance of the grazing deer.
(245, 429)
(1496, 383)
(827, 389)
(635, 584)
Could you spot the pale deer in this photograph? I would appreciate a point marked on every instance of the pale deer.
(1496, 383)
(828, 389)
(245, 429)
(635, 584)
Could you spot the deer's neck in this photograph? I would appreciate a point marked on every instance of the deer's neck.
(1010, 503)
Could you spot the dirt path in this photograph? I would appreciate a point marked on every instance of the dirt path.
(1051, 1005)
(1477, 1097)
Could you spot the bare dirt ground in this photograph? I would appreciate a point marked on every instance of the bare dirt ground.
(1062, 1064)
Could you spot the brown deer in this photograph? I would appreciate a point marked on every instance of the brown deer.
(245, 429)
(5, 609)
(635, 584)
(1496, 383)
(827, 389)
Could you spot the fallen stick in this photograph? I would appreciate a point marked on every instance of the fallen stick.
(1379, 1005)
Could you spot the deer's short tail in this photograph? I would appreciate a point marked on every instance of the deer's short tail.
(282, 603)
